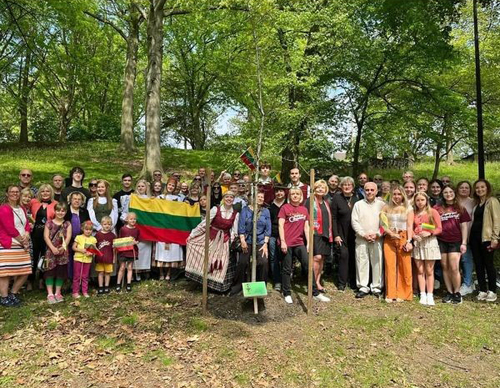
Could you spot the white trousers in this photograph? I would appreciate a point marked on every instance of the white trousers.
(369, 255)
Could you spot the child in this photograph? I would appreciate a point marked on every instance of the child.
(127, 258)
(426, 250)
(104, 264)
(57, 234)
(82, 260)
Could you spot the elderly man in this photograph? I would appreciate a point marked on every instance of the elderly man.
(365, 222)
(25, 178)
(362, 179)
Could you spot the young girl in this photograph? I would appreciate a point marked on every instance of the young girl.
(426, 250)
(452, 242)
(57, 234)
(157, 189)
(127, 258)
(82, 260)
(104, 264)
(102, 205)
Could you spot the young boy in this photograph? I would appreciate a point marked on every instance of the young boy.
(104, 264)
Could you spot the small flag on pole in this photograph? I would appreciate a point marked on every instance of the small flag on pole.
(248, 158)
(277, 178)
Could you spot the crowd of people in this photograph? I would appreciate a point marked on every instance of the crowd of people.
(392, 239)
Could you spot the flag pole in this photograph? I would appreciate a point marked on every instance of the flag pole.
(311, 245)
(207, 245)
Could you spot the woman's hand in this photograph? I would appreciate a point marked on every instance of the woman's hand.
(408, 246)
(283, 246)
(244, 246)
(424, 234)
(493, 245)
(417, 238)
(463, 249)
(55, 251)
(338, 240)
(394, 236)
(264, 250)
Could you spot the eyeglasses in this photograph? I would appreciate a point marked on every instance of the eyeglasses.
(157, 174)
(26, 175)
(242, 185)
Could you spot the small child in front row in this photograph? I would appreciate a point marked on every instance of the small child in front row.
(83, 260)
(104, 264)
(127, 258)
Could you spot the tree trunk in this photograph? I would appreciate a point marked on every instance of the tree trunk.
(152, 158)
(63, 120)
(357, 146)
(24, 99)
(449, 142)
(437, 160)
(127, 143)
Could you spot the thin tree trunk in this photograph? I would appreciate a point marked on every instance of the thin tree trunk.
(127, 142)
(152, 158)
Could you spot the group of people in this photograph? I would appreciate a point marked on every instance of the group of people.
(390, 239)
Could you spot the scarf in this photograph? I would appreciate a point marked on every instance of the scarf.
(318, 219)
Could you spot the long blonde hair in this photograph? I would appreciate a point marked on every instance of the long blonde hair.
(427, 207)
(109, 204)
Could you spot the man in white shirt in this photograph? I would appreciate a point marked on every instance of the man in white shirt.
(365, 222)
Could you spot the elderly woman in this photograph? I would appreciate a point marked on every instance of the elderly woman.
(245, 230)
(323, 236)
(15, 260)
(223, 229)
(343, 233)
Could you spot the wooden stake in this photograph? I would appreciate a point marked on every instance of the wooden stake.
(311, 245)
(207, 244)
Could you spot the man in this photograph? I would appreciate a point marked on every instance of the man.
(362, 179)
(77, 175)
(266, 184)
(407, 176)
(25, 178)
(378, 179)
(123, 197)
(240, 190)
(446, 181)
(57, 184)
(333, 187)
(296, 183)
(275, 254)
(158, 177)
(365, 222)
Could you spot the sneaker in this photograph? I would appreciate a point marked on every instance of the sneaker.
(491, 296)
(15, 299)
(437, 284)
(128, 288)
(138, 278)
(448, 298)
(7, 302)
(100, 291)
(277, 287)
(86, 295)
(75, 296)
(457, 298)
(288, 299)
(430, 300)
(423, 298)
(482, 296)
(389, 300)
(59, 298)
(106, 290)
(321, 298)
(51, 299)
(466, 290)
(118, 288)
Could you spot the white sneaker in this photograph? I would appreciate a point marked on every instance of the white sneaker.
(288, 299)
(466, 290)
(423, 298)
(437, 284)
(491, 296)
(482, 295)
(430, 300)
(321, 298)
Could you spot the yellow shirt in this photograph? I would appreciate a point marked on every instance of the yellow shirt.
(81, 241)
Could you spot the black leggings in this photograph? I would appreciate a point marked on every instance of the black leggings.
(243, 264)
(299, 252)
(483, 261)
(39, 248)
(347, 264)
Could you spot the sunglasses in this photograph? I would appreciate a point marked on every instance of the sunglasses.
(26, 175)
(92, 184)
(157, 174)
(197, 179)
(216, 187)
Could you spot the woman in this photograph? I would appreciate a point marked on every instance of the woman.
(323, 235)
(410, 188)
(426, 225)
(452, 242)
(223, 229)
(396, 218)
(15, 260)
(194, 194)
(294, 241)
(245, 230)
(216, 194)
(435, 192)
(169, 255)
(385, 190)
(422, 185)
(143, 263)
(464, 191)
(92, 188)
(42, 210)
(484, 236)
(102, 205)
(156, 189)
(203, 206)
(76, 215)
(343, 234)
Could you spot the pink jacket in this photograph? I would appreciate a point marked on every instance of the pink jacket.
(35, 205)
(8, 230)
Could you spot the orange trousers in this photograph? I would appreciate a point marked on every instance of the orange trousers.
(398, 278)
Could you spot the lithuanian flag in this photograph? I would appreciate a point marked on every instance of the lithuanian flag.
(165, 221)
(248, 158)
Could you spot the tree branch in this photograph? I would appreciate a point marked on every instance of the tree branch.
(108, 22)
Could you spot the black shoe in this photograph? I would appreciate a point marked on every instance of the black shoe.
(100, 291)
(8, 302)
(341, 287)
(118, 288)
(15, 299)
(129, 288)
(377, 294)
(106, 290)
(361, 294)
(457, 298)
(448, 298)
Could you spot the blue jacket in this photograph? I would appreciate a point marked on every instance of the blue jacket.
(245, 225)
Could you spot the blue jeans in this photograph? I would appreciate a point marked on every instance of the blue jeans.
(467, 266)
(275, 260)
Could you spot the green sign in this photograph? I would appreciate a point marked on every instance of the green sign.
(254, 289)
